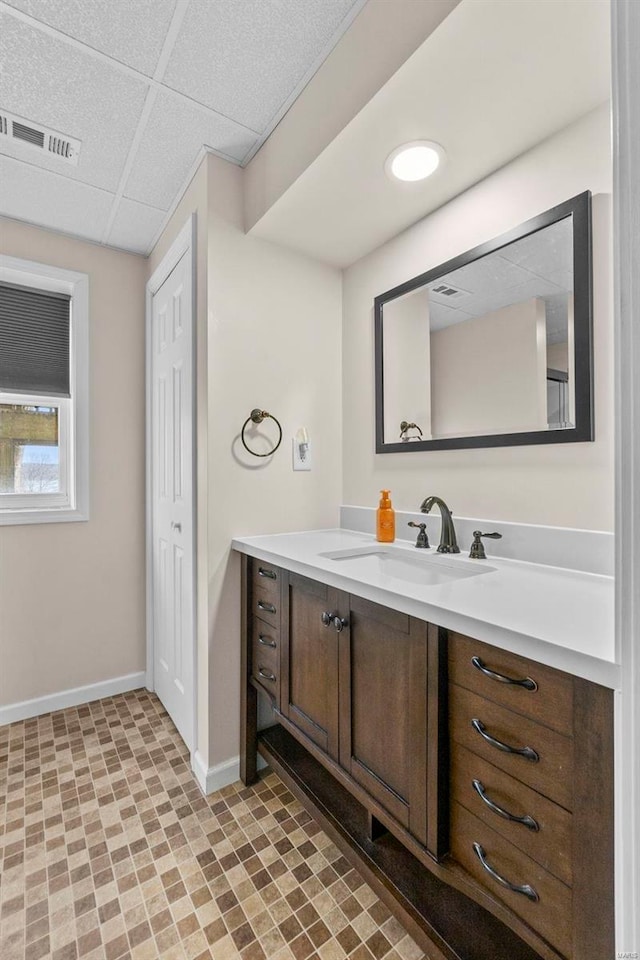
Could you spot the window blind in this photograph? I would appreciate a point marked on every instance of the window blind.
(34, 341)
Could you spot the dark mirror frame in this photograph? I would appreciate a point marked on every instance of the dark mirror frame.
(580, 209)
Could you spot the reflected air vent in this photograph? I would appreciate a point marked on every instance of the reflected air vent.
(25, 133)
(451, 293)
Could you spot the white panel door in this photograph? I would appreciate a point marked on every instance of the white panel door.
(172, 507)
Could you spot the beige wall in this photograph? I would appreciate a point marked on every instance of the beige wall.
(72, 597)
(274, 342)
(560, 484)
(490, 373)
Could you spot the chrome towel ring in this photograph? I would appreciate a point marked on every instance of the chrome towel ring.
(257, 416)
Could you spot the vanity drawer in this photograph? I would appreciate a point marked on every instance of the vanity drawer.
(549, 702)
(549, 844)
(550, 915)
(265, 656)
(265, 592)
(551, 774)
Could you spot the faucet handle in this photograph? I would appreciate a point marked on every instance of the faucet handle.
(422, 539)
(477, 551)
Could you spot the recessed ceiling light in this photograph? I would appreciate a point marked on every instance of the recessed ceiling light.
(414, 161)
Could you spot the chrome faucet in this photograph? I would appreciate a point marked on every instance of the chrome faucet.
(448, 542)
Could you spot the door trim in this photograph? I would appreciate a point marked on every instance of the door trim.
(625, 22)
(184, 245)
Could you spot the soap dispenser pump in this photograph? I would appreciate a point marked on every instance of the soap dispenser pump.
(385, 519)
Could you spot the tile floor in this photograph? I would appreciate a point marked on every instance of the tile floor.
(108, 850)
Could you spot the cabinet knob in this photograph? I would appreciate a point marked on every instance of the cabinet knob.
(340, 623)
(327, 619)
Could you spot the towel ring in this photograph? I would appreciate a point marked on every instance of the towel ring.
(257, 416)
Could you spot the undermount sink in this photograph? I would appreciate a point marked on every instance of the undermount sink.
(424, 569)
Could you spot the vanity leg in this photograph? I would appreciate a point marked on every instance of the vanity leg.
(248, 694)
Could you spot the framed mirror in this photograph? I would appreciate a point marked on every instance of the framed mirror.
(494, 347)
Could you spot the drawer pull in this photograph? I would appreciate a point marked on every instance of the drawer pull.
(266, 674)
(527, 682)
(527, 821)
(527, 752)
(267, 607)
(269, 574)
(525, 889)
(265, 642)
(327, 618)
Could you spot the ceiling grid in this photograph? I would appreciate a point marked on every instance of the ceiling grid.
(146, 88)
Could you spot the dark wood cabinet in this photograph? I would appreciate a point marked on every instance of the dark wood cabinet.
(383, 708)
(473, 787)
(309, 662)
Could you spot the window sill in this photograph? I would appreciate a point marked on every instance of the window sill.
(42, 515)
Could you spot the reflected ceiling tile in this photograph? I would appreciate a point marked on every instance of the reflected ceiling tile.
(135, 226)
(99, 25)
(40, 197)
(244, 59)
(545, 251)
(173, 136)
(48, 82)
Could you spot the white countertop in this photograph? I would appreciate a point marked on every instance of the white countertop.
(563, 618)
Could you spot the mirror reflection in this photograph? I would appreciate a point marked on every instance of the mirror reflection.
(487, 348)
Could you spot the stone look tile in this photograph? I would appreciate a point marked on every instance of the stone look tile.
(108, 851)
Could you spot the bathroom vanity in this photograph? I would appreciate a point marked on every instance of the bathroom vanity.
(462, 762)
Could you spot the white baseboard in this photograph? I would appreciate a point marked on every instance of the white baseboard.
(26, 709)
(211, 779)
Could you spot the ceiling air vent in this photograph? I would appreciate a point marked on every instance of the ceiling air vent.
(36, 137)
(451, 293)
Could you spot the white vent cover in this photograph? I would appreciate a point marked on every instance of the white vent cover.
(34, 136)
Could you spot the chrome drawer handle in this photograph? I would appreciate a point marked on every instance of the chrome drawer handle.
(525, 889)
(527, 821)
(269, 574)
(527, 752)
(267, 607)
(527, 682)
(266, 675)
(266, 643)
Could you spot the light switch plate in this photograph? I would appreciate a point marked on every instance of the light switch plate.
(298, 462)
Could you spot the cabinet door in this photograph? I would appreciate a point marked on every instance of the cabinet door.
(383, 708)
(309, 662)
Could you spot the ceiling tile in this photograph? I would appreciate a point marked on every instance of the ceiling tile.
(49, 82)
(135, 226)
(105, 26)
(28, 193)
(244, 59)
(173, 136)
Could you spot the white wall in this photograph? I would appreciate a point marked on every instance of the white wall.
(72, 607)
(274, 342)
(558, 484)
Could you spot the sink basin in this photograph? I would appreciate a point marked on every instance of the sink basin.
(424, 569)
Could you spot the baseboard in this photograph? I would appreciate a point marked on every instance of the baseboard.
(221, 775)
(26, 709)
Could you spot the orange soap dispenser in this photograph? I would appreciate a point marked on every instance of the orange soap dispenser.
(385, 519)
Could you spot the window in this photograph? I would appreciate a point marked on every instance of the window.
(43, 393)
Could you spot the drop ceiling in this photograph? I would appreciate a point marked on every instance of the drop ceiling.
(146, 85)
